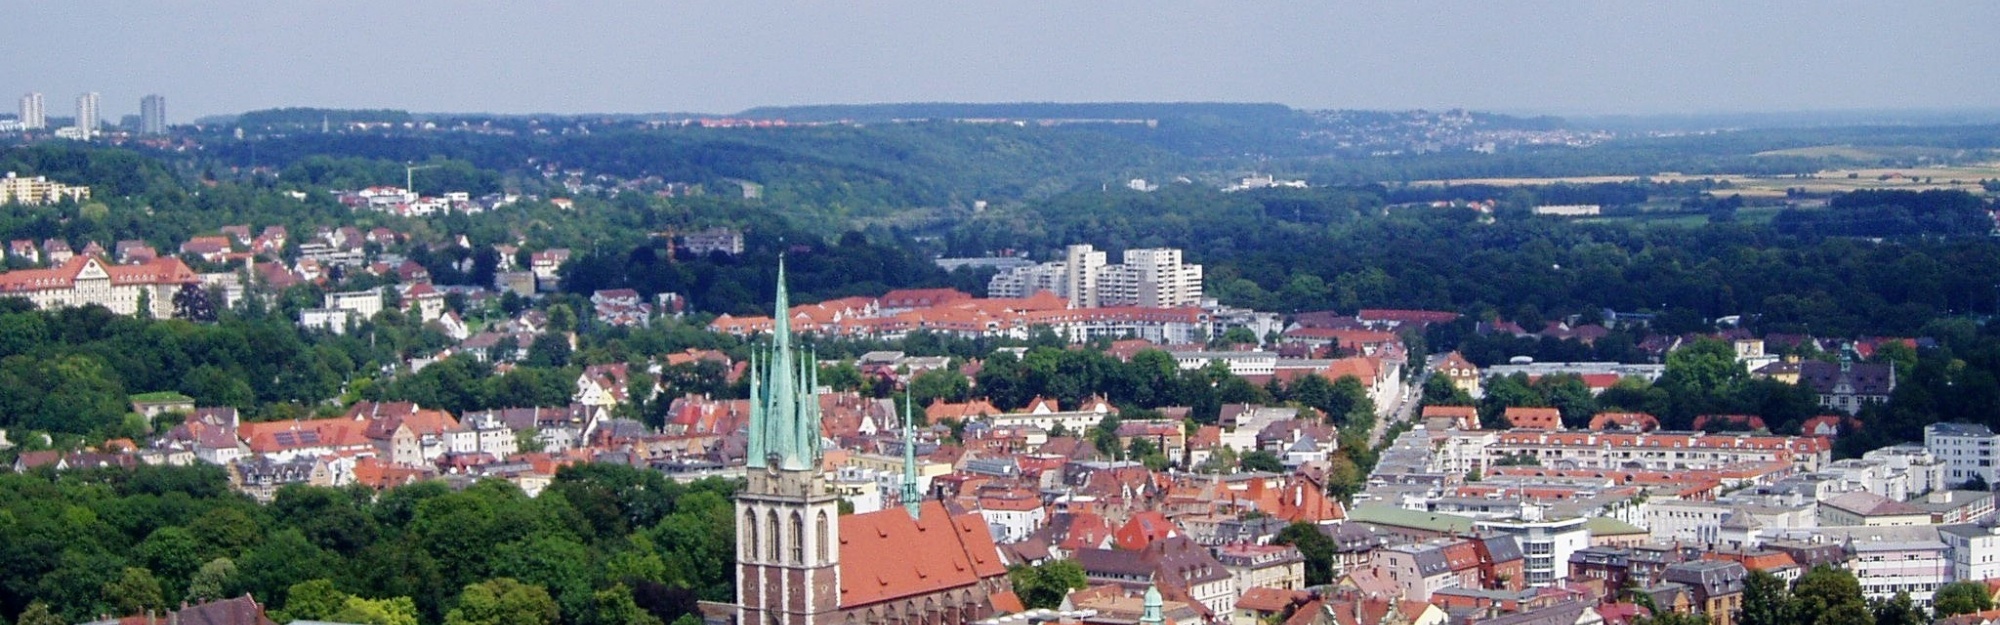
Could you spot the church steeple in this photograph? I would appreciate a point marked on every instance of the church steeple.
(912, 502)
(784, 407)
(1153, 611)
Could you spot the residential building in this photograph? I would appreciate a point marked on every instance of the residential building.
(1264, 566)
(1175, 562)
(1888, 560)
(87, 280)
(1462, 373)
(38, 190)
(1147, 278)
(34, 116)
(725, 240)
(87, 120)
(153, 115)
(1546, 544)
(1660, 451)
(1975, 550)
(364, 303)
(1966, 449)
(1847, 385)
(1869, 509)
(1717, 587)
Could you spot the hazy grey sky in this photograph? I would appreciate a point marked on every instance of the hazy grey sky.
(722, 56)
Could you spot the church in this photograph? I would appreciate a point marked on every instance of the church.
(800, 562)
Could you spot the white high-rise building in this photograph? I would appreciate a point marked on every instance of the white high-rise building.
(33, 116)
(87, 119)
(1151, 277)
(1085, 265)
(153, 115)
(1160, 279)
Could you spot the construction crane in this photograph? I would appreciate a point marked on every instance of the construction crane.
(409, 173)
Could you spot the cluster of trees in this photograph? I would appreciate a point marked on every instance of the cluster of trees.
(1890, 213)
(603, 544)
(1823, 596)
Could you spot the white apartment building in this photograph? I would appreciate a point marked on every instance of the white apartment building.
(1925, 472)
(1966, 449)
(1026, 281)
(364, 303)
(1660, 451)
(34, 116)
(1975, 551)
(1240, 363)
(1889, 560)
(1084, 263)
(1546, 544)
(1152, 278)
(87, 119)
(1701, 521)
(1148, 277)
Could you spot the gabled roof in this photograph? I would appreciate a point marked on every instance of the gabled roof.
(939, 551)
(1522, 418)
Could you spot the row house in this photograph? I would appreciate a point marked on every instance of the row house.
(1663, 451)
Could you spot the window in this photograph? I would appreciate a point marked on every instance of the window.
(750, 535)
(771, 548)
(825, 539)
(798, 539)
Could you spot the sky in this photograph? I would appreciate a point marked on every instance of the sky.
(502, 56)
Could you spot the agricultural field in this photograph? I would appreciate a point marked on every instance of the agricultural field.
(1960, 177)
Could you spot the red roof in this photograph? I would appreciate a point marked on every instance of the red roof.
(1534, 418)
(1144, 528)
(156, 271)
(937, 551)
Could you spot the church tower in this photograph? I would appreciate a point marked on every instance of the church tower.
(787, 519)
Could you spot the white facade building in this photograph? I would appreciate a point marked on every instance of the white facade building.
(1148, 277)
(87, 119)
(1965, 449)
(34, 116)
(1546, 544)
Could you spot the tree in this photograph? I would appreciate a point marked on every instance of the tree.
(1697, 377)
(191, 302)
(135, 592)
(311, 600)
(1317, 547)
(1440, 391)
(1046, 585)
(947, 384)
(209, 581)
(1961, 598)
(1898, 610)
(503, 601)
(1829, 596)
(38, 613)
(1261, 460)
(173, 554)
(615, 606)
(841, 377)
(391, 611)
(1766, 601)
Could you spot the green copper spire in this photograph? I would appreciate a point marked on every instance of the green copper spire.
(784, 407)
(911, 500)
(1153, 610)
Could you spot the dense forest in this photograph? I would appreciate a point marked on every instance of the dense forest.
(603, 544)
